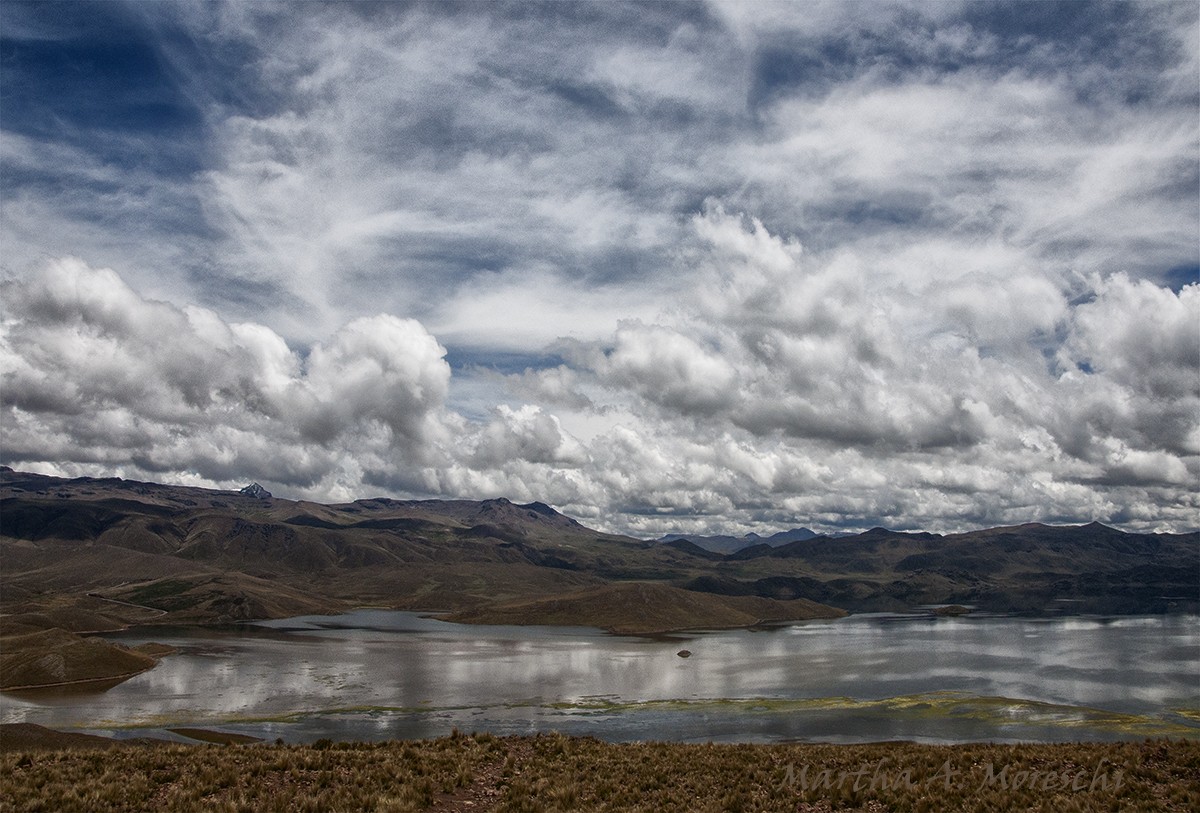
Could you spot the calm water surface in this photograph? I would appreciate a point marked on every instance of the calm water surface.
(377, 674)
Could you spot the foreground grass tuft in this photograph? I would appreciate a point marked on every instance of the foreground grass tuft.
(556, 773)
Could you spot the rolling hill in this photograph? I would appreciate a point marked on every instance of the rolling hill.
(640, 608)
(733, 544)
(93, 554)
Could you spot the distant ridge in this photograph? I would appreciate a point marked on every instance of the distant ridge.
(733, 544)
(87, 554)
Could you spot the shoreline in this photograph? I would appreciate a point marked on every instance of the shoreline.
(213, 733)
(763, 624)
(928, 718)
(115, 679)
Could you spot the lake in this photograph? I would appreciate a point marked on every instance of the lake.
(380, 674)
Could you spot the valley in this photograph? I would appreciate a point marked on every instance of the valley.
(90, 555)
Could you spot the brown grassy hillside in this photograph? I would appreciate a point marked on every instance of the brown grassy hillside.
(555, 773)
(56, 657)
(91, 554)
(645, 607)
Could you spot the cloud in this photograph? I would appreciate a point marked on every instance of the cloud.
(1142, 336)
(86, 357)
(966, 397)
(381, 369)
(743, 264)
(668, 368)
(485, 313)
(1132, 360)
(527, 434)
(404, 159)
(96, 377)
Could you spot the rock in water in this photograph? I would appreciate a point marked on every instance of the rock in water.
(951, 610)
(684, 653)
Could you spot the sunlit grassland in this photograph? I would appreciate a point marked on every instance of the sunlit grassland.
(558, 773)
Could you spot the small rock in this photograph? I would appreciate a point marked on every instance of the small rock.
(684, 653)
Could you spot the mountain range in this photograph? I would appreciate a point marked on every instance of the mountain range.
(93, 554)
(732, 544)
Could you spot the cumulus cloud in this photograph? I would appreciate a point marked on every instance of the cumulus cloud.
(697, 423)
(670, 369)
(528, 434)
(1132, 361)
(749, 265)
(84, 355)
(1141, 335)
(898, 400)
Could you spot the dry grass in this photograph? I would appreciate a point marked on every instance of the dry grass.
(566, 774)
(556, 773)
(634, 608)
(322, 777)
(57, 657)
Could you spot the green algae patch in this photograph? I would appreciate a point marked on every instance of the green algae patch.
(1000, 711)
(998, 714)
(1190, 714)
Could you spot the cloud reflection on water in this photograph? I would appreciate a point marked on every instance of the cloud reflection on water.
(518, 675)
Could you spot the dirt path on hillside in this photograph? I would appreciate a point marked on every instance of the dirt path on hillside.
(125, 603)
(33, 687)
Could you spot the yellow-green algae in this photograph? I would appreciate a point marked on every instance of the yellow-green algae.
(1191, 714)
(927, 705)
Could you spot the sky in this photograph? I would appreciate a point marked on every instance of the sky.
(667, 266)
